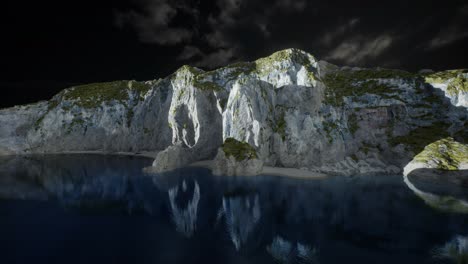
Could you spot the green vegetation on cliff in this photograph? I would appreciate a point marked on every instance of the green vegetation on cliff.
(239, 150)
(280, 126)
(94, 94)
(456, 80)
(51, 104)
(213, 80)
(447, 153)
(199, 78)
(238, 68)
(205, 85)
(344, 83)
(353, 123)
(287, 54)
(77, 121)
(420, 137)
(232, 71)
(266, 65)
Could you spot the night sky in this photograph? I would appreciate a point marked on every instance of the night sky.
(48, 45)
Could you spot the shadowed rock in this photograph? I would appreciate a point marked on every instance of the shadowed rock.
(436, 188)
(455, 250)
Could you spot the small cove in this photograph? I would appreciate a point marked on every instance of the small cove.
(86, 208)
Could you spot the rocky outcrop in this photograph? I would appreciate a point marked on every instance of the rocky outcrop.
(228, 165)
(173, 157)
(110, 117)
(445, 154)
(454, 83)
(294, 110)
(445, 160)
(237, 158)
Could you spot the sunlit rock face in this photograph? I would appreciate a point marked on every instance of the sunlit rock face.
(294, 110)
(443, 160)
(454, 83)
(241, 214)
(115, 116)
(193, 116)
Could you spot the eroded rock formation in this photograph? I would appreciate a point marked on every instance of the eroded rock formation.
(294, 110)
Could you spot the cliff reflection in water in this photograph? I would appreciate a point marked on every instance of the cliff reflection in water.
(241, 214)
(185, 218)
(455, 250)
(284, 251)
(438, 190)
(212, 219)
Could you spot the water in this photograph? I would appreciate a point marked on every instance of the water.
(102, 209)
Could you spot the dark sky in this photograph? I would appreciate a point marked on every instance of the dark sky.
(49, 45)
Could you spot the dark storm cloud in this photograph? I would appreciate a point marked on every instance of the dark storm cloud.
(361, 48)
(216, 58)
(189, 52)
(231, 30)
(457, 29)
(225, 28)
(153, 24)
(87, 41)
(339, 31)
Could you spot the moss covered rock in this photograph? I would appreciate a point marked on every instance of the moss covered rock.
(239, 150)
(453, 82)
(237, 158)
(457, 80)
(94, 94)
(445, 154)
(358, 82)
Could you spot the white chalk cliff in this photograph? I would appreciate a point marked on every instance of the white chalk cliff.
(294, 110)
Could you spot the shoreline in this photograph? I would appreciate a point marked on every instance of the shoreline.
(145, 154)
(273, 171)
(267, 170)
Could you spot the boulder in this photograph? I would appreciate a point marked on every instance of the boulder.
(173, 157)
(236, 158)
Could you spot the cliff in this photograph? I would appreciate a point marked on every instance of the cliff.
(294, 110)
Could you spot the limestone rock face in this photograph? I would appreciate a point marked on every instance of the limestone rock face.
(454, 83)
(173, 157)
(15, 124)
(115, 116)
(294, 110)
(228, 165)
(194, 117)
